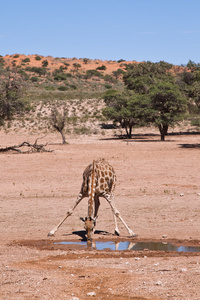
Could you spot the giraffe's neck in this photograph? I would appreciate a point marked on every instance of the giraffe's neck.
(91, 191)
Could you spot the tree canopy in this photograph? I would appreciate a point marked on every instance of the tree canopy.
(12, 87)
(127, 108)
(167, 103)
(151, 95)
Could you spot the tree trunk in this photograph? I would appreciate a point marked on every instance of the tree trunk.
(163, 131)
(129, 131)
(63, 137)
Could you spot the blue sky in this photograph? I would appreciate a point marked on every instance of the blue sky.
(141, 30)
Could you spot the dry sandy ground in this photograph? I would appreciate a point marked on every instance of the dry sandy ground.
(157, 193)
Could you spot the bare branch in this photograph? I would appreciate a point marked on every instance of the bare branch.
(32, 148)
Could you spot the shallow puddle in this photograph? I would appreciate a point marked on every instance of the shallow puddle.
(153, 246)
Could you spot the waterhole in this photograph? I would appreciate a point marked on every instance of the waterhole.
(120, 246)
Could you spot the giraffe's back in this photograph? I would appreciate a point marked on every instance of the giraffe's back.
(105, 178)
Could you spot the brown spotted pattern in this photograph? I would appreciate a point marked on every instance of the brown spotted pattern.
(105, 178)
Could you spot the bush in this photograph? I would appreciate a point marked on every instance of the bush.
(73, 86)
(38, 57)
(45, 63)
(108, 86)
(23, 74)
(59, 76)
(1, 61)
(40, 71)
(118, 73)
(103, 68)
(26, 60)
(121, 60)
(50, 88)
(91, 73)
(16, 56)
(110, 79)
(62, 88)
(34, 79)
(196, 122)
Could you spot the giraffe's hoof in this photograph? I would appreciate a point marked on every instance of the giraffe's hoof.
(51, 233)
(134, 234)
(116, 232)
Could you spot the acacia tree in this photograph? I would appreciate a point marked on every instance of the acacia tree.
(58, 121)
(155, 80)
(128, 109)
(140, 77)
(168, 105)
(12, 88)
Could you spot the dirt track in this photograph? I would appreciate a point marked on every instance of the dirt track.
(157, 193)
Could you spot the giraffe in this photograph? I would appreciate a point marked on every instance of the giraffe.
(99, 180)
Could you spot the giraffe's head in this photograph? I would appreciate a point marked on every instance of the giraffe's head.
(89, 227)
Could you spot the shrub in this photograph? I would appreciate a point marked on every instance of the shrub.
(103, 68)
(38, 57)
(45, 63)
(62, 88)
(34, 79)
(60, 76)
(40, 71)
(73, 86)
(91, 73)
(110, 79)
(1, 61)
(85, 60)
(66, 64)
(68, 75)
(16, 56)
(26, 60)
(108, 86)
(121, 60)
(118, 73)
(196, 122)
(49, 88)
(23, 74)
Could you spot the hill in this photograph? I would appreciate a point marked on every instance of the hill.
(71, 84)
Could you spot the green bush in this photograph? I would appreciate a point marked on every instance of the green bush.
(91, 73)
(103, 68)
(38, 57)
(110, 79)
(121, 60)
(62, 88)
(45, 63)
(34, 79)
(23, 74)
(108, 86)
(73, 86)
(40, 71)
(26, 60)
(1, 61)
(59, 76)
(196, 122)
(50, 88)
(16, 56)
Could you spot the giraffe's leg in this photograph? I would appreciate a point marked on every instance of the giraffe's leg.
(110, 199)
(96, 208)
(96, 204)
(69, 213)
(116, 226)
